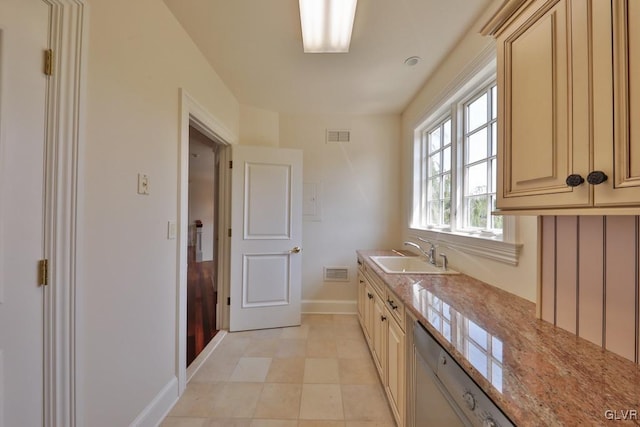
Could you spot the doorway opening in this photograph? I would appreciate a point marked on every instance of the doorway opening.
(202, 242)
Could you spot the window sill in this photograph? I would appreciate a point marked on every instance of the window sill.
(492, 248)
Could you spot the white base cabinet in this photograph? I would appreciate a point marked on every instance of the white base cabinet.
(382, 320)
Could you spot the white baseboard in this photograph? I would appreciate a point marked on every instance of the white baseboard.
(197, 363)
(159, 407)
(329, 307)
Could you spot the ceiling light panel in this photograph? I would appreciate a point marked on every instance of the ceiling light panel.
(327, 25)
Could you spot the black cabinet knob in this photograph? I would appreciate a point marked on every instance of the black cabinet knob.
(596, 177)
(574, 180)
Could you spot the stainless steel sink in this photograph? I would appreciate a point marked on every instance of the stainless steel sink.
(408, 265)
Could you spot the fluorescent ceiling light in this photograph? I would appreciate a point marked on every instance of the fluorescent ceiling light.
(327, 25)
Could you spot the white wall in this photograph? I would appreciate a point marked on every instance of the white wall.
(138, 58)
(520, 280)
(360, 198)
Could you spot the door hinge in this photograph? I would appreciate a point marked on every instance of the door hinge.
(230, 164)
(43, 272)
(229, 232)
(48, 62)
(228, 300)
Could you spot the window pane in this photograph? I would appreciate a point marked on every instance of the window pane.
(477, 211)
(477, 113)
(494, 138)
(435, 213)
(434, 140)
(494, 102)
(434, 164)
(477, 146)
(477, 179)
(434, 189)
(446, 212)
(446, 159)
(494, 168)
(496, 220)
(446, 129)
(446, 183)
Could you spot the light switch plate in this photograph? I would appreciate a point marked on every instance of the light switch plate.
(143, 183)
(172, 230)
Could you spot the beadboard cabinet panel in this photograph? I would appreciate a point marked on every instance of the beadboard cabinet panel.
(606, 289)
(590, 277)
(621, 260)
(566, 273)
(548, 260)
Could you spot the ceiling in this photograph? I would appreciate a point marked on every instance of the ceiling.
(255, 46)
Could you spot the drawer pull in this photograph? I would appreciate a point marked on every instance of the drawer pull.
(596, 177)
(392, 304)
(369, 295)
(383, 318)
(574, 180)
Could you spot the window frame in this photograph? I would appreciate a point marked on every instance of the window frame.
(482, 88)
(499, 247)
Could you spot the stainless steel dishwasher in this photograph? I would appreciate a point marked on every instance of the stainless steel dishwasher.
(445, 395)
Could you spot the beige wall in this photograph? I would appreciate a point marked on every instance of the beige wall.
(259, 127)
(520, 280)
(360, 199)
(138, 58)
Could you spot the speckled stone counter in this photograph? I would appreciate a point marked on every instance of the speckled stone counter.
(539, 375)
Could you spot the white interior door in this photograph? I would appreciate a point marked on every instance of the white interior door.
(266, 240)
(23, 39)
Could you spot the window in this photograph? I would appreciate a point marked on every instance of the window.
(480, 134)
(455, 164)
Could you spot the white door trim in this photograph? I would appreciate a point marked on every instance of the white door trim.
(65, 94)
(191, 112)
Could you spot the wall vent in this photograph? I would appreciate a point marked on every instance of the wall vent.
(337, 136)
(336, 274)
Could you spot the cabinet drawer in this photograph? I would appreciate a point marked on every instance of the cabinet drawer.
(395, 308)
(376, 283)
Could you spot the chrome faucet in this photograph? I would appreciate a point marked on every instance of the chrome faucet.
(430, 254)
(445, 262)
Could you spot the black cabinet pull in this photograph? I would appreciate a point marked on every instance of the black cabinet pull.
(369, 295)
(596, 177)
(383, 318)
(574, 180)
(391, 303)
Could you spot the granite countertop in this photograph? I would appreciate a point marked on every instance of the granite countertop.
(539, 375)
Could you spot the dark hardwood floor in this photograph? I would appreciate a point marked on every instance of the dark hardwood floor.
(201, 304)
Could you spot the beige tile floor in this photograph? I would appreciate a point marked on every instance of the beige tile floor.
(319, 374)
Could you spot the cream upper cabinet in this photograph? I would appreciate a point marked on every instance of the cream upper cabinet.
(622, 163)
(568, 77)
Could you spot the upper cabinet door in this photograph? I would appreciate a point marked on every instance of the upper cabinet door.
(622, 164)
(543, 81)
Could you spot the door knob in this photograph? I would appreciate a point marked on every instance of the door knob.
(295, 250)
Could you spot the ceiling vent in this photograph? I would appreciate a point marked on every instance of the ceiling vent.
(337, 136)
(336, 274)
